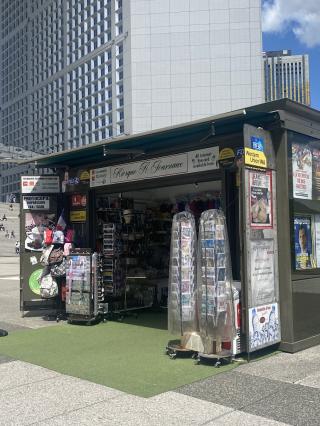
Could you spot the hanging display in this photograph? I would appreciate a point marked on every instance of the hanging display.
(216, 310)
(182, 275)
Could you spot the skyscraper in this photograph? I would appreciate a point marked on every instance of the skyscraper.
(74, 72)
(286, 76)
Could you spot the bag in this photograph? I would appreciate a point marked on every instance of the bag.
(44, 259)
(56, 256)
(58, 237)
(48, 235)
(69, 236)
(48, 287)
(59, 269)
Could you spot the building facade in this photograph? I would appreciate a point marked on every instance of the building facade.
(74, 72)
(286, 76)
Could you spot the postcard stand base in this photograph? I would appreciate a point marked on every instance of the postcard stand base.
(175, 350)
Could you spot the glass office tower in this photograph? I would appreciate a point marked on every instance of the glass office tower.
(74, 72)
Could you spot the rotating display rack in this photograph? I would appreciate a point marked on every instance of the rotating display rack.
(215, 304)
(182, 275)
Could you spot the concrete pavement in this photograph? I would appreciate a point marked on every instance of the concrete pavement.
(282, 389)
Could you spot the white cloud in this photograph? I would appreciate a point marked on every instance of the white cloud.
(300, 16)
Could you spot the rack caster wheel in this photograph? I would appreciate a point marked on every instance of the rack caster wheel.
(172, 355)
(217, 364)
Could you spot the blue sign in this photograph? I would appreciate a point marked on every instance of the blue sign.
(257, 143)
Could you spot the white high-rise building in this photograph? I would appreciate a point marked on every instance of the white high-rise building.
(74, 72)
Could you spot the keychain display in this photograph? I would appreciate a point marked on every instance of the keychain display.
(182, 275)
(215, 297)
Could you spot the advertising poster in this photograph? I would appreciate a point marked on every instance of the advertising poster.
(316, 173)
(260, 199)
(301, 171)
(35, 224)
(262, 271)
(317, 238)
(264, 326)
(303, 243)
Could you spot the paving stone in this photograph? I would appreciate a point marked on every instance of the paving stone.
(294, 404)
(18, 373)
(169, 408)
(44, 399)
(284, 366)
(239, 418)
(232, 389)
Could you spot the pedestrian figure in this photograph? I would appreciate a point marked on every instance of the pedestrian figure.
(4, 217)
(11, 207)
(17, 247)
(12, 234)
(7, 234)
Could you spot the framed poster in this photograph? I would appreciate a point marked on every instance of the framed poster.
(301, 171)
(260, 199)
(303, 242)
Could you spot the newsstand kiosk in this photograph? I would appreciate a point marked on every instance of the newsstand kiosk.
(122, 199)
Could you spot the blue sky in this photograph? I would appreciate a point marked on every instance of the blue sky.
(295, 25)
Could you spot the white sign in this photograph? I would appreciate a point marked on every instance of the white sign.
(262, 271)
(264, 326)
(190, 162)
(301, 171)
(40, 184)
(36, 202)
(100, 177)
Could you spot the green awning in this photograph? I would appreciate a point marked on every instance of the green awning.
(187, 136)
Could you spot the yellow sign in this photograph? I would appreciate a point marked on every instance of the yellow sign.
(84, 175)
(226, 153)
(254, 158)
(78, 216)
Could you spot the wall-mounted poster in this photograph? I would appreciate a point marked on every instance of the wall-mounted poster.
(260, 199)
(301, 171)
(35, 224)
(316, 173)
(317, 238)
(264, 326)
(262, 271)
(303, 243)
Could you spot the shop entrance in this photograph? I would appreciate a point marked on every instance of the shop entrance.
(132, 230)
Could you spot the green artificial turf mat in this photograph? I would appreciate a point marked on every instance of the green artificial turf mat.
(129, 356)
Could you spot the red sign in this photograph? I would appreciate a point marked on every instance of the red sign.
(78, 200)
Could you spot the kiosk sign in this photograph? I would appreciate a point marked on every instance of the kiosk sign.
(190, 162)
(36, 202)
(255, 158)
(40, 184)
